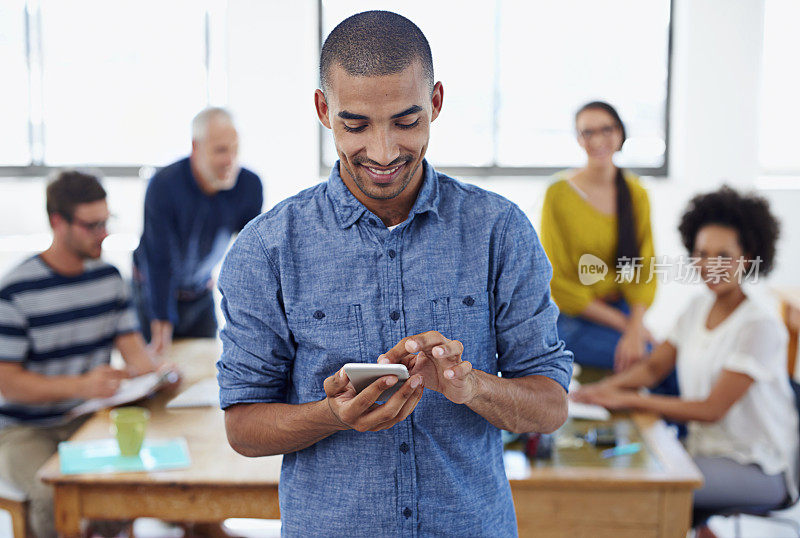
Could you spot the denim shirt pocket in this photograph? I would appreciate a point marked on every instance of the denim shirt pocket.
(327, 336)
(466, 317)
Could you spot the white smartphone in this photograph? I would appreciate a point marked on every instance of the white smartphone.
(361, 375)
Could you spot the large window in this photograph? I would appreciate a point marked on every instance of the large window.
(515, 72)
(779, 140)
(108, 84)
(14, 106)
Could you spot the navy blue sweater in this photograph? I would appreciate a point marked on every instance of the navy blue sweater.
(186, 233)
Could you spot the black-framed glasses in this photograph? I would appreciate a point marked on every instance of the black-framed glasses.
(97, 227)
(605, 132)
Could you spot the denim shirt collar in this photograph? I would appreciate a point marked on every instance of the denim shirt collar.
(348, 209)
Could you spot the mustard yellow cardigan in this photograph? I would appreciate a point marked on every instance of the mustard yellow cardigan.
(572, 227)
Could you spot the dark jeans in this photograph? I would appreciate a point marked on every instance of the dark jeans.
(594, 345)
(196, 316)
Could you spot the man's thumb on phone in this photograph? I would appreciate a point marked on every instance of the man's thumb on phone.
(336, 383)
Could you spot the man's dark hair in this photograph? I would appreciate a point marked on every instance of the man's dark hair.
(71, 188)
(748, 214)
(375, 43)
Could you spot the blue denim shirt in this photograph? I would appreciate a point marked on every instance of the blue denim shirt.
(320, 281)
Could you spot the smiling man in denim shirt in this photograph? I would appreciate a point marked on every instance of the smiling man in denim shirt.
(389, 261)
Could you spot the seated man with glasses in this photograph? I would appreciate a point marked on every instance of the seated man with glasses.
(61, 313)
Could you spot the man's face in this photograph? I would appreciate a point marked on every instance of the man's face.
(215, 157)
(83, 235)
(381, 127)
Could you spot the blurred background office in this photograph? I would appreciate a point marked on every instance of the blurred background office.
(707, 89)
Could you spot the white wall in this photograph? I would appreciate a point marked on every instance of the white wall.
(272, 74)
(716, 73)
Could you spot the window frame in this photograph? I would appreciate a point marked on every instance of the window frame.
(33, 59)
(37, 168)
(536, 171)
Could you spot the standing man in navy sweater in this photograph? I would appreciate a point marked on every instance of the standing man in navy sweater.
(191, 210)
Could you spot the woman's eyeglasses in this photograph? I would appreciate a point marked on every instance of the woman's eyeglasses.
(605, 132)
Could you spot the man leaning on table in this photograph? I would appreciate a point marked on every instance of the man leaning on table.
(191, 209)
(388, 257)
(61, 313)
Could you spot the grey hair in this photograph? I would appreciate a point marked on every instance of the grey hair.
(205, 117)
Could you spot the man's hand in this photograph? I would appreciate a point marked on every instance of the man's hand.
(439, 362)
(160, 336)
(359, 411)
(101, 382)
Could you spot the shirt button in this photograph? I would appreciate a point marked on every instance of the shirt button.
(395, 315)
(392, 253)
(469, 301)
(404, 448)
(372, 221)
(407, 512)
(319, 314)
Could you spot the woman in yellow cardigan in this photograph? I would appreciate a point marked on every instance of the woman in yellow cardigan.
(596, 232)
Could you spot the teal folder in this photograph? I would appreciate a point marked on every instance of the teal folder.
(102, 456)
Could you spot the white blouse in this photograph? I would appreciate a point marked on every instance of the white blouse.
(761, 427)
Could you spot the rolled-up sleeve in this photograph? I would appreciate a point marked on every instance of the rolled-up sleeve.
(257, 352)
(758, 343)
(14, 341)
(127, 322)
(525, 316)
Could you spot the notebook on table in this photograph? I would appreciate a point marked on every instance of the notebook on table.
(102, 456)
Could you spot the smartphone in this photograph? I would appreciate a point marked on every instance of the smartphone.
(361, 375)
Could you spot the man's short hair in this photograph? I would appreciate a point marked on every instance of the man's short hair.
(71, 188)
(204, 117)
(375, 43)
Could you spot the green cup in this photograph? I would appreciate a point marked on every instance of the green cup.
(129, 425)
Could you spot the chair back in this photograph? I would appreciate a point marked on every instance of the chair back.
(14, 501)
(796, 393)
(11, 492)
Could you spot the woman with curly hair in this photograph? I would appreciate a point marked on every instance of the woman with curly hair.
(730, 356)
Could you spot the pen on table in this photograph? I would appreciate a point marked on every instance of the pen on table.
(622, 450)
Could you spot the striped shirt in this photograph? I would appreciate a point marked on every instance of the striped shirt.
(57, 325)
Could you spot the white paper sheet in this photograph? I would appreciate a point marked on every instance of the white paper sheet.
(588, 411)
(130, 390)
(204, 393)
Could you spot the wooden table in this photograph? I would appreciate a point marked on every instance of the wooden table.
(219, 484)
(578, 493)
(790, 308)
(645, 495)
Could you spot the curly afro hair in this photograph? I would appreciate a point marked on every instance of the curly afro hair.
(748, 214)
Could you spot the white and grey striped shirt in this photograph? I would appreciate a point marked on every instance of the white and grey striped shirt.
(56, 325)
